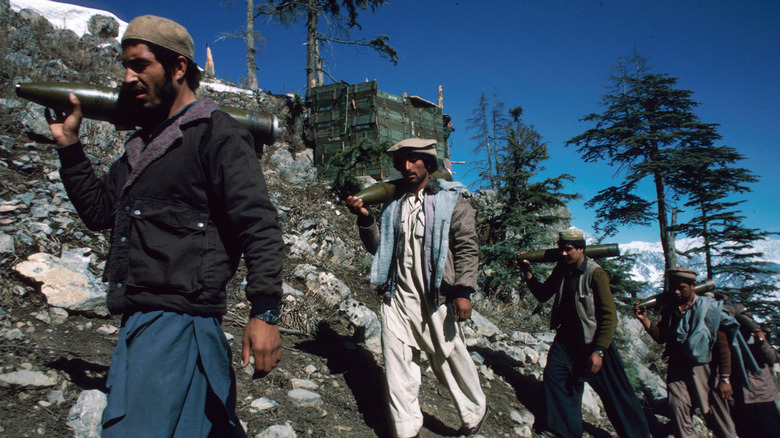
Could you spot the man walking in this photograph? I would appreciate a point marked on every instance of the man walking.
(183, 202)
(755, 412)
(694, 327)
(425, 249)
(584, 316)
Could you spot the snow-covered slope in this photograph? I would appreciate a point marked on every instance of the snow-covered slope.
(76, 19)
(65, 16)
(649, 266)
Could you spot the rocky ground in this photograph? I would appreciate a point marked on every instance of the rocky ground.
(56, 340)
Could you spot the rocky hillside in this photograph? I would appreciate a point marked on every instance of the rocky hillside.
(56, 339)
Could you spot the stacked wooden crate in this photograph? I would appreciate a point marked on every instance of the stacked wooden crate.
(343, 115)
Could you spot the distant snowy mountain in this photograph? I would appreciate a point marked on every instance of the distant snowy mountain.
(649, 266)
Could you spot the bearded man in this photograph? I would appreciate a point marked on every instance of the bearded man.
(183, 202)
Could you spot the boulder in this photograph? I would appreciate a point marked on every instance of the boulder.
(66, 281)
(86, 416)
(366, 321)
(103, 27)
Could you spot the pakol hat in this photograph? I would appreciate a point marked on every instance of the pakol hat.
(571, 234)
(683, 274)
(163, 32)
(415, 145)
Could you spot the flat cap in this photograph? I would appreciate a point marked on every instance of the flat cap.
(418, 145)
(681, 274)
(571, 234)
(163, 32)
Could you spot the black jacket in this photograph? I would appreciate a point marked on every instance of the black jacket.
(182, 213)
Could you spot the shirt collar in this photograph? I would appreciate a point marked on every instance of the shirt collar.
(681, 310)
(412, 200)
(580, 269)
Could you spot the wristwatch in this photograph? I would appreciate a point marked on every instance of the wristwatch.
(725, 380)
(599, 351)
(271, 316)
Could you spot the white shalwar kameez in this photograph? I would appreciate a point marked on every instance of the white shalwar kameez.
(409, 326)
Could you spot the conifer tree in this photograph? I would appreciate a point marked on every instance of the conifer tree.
(712, 184)
(649, 131)
(645, 130)
(342, 16)
(480, 123)
(528, 213)
(252, 38)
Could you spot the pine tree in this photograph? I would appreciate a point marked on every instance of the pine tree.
(647, 126)
(480, 123)
(620, 282)
(252, 38)
(527, 213)
(649, 132)
(712, 184)
(342, 16)
(344, 165)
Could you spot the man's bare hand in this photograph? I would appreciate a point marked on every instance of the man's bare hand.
(641, 315)
(725, 390)
(355, 206)
(462, 309)
(65, 126)
(524, 266)
(264, 343)
(594, 362)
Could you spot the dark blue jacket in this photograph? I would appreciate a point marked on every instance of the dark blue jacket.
(182, 212)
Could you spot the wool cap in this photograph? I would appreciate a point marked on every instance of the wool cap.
(417, 145)
(571, 234)
(163, 32)
(681, 273)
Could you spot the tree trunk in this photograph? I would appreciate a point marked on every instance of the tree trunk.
(667, 238)
(249, 37)
(312, 46)
(494, 182)
(318, 68)
(707, 240)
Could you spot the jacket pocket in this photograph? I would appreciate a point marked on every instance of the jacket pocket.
(167, 246)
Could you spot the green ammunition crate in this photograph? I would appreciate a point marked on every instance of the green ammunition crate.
(343, 115)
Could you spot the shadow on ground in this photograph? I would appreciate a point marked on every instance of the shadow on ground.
(361, 373)
(86, 375)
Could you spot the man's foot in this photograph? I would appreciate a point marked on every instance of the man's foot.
(466, 431)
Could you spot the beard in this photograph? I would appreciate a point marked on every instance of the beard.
(147, 114)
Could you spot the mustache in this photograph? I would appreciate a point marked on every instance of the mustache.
(139, 89)
(134, 88)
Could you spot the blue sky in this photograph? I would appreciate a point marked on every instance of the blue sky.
(551, 57)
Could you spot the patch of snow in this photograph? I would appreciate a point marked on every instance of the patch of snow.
(66, 16)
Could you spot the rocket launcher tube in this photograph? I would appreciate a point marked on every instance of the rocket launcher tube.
(655, 300)
(554, 254)
(384, 191)
(102, 103)
(746, 322)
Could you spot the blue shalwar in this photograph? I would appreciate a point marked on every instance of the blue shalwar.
(180, 384)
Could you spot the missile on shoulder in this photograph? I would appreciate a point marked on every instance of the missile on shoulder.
(666, 297)
(555, 254)
(385, 191)
(106, 104)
